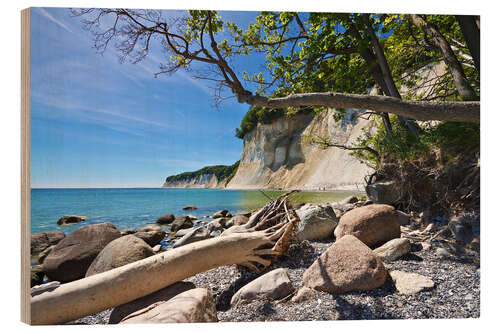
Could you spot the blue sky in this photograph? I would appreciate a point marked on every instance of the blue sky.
(98, 123)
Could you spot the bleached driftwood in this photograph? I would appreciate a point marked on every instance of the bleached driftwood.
(265, 236)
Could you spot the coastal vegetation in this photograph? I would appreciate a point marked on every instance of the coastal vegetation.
(224, 173)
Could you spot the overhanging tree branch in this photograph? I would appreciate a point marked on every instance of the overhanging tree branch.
(418, 110)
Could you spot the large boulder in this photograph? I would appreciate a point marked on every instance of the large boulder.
(373, 225)
(410, 283)
(160, 296)
(273, 285)
(316, 222)
(152, 238)
(194, 235)
(166, 219)
(192, 306)
(42, 255)
(36, 275)
(70, 219)
(191, 207)
(182, 222)
(393, 249)
(383, 192)
(345, 266)
(42, 240)
(72, 256)
(119, 252)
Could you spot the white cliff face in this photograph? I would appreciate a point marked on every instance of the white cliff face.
(202, 181)
(274, 156)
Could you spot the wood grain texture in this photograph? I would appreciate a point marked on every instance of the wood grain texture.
(25, 167)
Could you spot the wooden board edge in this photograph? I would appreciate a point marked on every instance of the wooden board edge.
(25, 168)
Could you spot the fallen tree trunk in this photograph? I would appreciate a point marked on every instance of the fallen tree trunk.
(419, 110)
(267, 236)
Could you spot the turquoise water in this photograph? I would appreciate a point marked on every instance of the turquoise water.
(136, 207)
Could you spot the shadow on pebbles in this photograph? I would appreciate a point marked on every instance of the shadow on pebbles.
(455, 295)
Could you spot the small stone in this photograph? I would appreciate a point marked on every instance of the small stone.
(410, 283)
(442, 253)
(303, 294)
(273, 285)
(393, 249)
(426, 246)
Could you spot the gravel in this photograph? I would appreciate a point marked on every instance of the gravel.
(456, 292)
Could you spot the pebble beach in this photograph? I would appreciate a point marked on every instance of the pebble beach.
(456, 293)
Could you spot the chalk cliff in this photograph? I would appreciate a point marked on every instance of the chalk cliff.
(201, 181)
(273, 155)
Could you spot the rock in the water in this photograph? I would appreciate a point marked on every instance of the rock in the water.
(349, 200)
(120, 252)
(72, 256)
(191, 306)
(373, 225)
(36, 275)
(183, 232)
(303, 294)
(393, 249)
(345, 266)
(404, 219)
(42, 255)
(410, 283)
(189, 207)
(69, 219)
(42, 240)
(239, 219)
(194, 235)
(127, 232)
(183, 222)
(221, 213)
(160, 296)
(152, 238)
(316, 222)
(383, 192)
(166, 219)
(218, 224)
(150, 227)
(273, 285)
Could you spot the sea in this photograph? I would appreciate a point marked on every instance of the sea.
(132, 208)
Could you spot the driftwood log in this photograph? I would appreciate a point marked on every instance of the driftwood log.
(266, 236)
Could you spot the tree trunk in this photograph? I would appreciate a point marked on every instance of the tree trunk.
(472, 36)
(376, 72)
(468, 112)
(457, 72)
(411, 125)
(266, 234)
